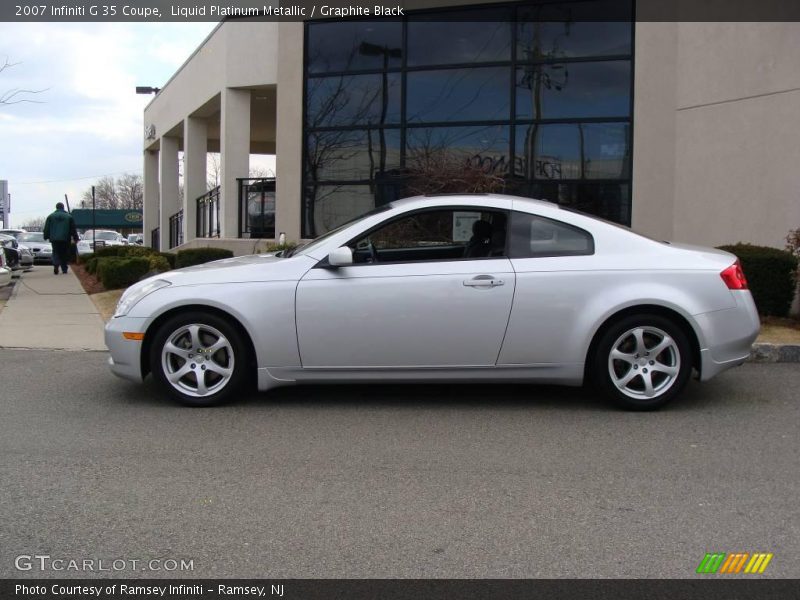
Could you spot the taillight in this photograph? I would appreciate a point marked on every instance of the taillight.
(734, 277)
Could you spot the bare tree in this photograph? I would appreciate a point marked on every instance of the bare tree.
(123, 193)
(16, 95)
(33, 224)
(130, 191)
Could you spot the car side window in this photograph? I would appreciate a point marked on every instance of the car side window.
(533, 236)
(438, 234)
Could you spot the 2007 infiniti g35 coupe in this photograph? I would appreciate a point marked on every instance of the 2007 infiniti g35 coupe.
(448, 288)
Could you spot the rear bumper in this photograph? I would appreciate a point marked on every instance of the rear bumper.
(125, 359)
(729, 335)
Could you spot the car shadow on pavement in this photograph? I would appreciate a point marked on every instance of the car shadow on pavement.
(492, 396)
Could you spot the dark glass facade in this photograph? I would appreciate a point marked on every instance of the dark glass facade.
(528, 92)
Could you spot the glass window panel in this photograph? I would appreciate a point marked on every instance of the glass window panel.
(574, 29)
(353, 154)
(458, 95)
(610, 201)
(435, 148)
(533, 236)
(469, 36)
(354, 45)
(328, 206)
(353, 100)
(572, 151)
(574, 90)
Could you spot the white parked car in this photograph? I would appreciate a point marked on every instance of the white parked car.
(5, 271)
(449, 288)
(42, 250)
(103, 238)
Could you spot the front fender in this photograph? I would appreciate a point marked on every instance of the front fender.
(264, 309)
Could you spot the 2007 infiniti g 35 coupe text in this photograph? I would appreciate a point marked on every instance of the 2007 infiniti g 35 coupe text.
(445, 288)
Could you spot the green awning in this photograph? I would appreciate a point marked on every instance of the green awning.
(107, 219)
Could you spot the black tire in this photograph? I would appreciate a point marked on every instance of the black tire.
(667, 372)
(210, 367)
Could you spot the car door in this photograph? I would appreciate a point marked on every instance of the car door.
(412, 298)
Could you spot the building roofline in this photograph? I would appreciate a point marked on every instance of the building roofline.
(186, 62)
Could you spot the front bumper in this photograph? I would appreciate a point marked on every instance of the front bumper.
(729, 335)
(43, 256)
(125, 359)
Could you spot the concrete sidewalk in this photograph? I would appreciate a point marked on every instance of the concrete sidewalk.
(51, 312)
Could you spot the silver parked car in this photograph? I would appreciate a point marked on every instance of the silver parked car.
(445, 288)
(42, 250)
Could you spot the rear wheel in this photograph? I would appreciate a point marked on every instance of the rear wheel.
(199, 359)
(642, 362)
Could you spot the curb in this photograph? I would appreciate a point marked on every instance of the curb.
(775, 353)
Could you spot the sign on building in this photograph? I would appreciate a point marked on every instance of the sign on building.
(5, 202)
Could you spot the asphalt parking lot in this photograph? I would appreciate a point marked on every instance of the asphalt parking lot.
(391, 481)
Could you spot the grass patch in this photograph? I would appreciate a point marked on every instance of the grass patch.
(106, 302)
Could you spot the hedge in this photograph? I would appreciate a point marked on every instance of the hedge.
(198, 256)
(117, 272)
(91, 265)
(169, 257)
(770, 276)
(158, 263)
(124, 251)
(280, 247)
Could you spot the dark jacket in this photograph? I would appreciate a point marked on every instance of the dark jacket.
(60, 227)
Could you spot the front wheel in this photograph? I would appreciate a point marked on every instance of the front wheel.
(642, 362)
(199, 359)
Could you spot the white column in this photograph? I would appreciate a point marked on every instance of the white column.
(168, 186)
(150, 189)
(195, 144)
(234, 139)
(289, 127)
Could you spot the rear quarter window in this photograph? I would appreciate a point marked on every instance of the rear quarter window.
(533, 236)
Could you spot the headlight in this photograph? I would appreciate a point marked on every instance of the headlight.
(136, 293)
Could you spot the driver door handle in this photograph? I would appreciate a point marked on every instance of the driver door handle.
(483, 281)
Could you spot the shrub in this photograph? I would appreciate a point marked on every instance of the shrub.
(198, 256)
(278, 247)
(158, 263)
(124, 251)
(82, 260)
(169, 257)
(131, 251)
(116, 272)
(770, 275)
(793, 242)
(91, 265)
(106, 251)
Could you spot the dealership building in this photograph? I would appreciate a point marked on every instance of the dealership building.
(687, 131)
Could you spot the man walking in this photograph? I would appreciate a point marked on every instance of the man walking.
(60, 229)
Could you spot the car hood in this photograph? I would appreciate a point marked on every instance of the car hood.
(38, 245)
(256, 267)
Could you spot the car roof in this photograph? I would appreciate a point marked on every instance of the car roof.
(475, 198)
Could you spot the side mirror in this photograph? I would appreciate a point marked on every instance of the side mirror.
(341, 257)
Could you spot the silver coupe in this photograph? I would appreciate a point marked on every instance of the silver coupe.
(450, 288)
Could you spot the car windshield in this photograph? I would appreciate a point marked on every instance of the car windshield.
(306, 248)
(101, 235)
(33, 237)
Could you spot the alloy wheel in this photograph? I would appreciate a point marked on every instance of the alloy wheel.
(644, 362)
(197, 360)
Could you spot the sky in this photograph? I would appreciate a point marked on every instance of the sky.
(88, 121)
